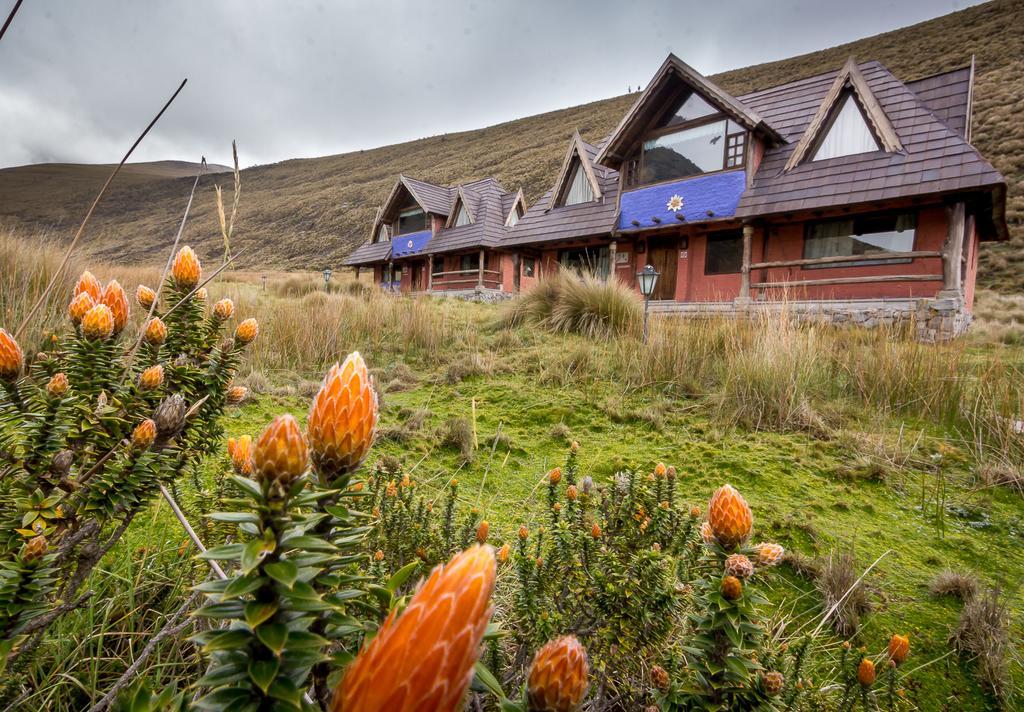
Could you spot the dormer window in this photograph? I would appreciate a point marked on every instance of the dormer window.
(462, 216)
(848, 135)
(515, 216)
(580, 190)
(706, 147)
(411, 220)
(382, 234)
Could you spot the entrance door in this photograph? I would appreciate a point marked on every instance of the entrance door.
(417, 276)
(663, 255)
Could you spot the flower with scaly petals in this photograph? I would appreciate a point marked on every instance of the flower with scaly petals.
(423, 659)
(572, 493)
(115, 298)
(241, 455)
(731, 588)
(595, 531)
(224, 309)
(80, 306)
(35, 549)
(772, 682)
(659, 677)
(769, 554)
(503, 553)
(201, 294)
(280, 455)
(58, 385)
(156, 331)
(145, 296)
(739, 566)
(482, 531)
(694, 512)
(866, 672)
(557, 681)
(706, 534)
(247, 331)
(11, 357)
(144, 435)
(523, 532)
(555, 476)
(343, 418)
(236, 394)
(98, 323)
(186, 269)
(152, 378)
(730, 517)
(88, 284)
(660, 470)
(899, 648)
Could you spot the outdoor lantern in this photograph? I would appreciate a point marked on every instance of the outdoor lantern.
(327, 276)
(647, 279)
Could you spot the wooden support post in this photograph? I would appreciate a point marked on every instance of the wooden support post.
(391, 275)
(516, 270)
(953, 250)
(357, 272)
(480, 271)
(430, 272)
(612, 248)
(748, 238)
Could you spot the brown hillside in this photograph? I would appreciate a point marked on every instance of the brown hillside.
(311, 212)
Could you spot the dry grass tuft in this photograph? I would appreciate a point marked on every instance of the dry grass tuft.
(468, 365)
(954, 583)
(458, 433)
(837, 581)
(984, 634)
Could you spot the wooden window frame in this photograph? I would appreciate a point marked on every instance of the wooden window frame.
(868, 260)
(475, 256)
(398, 221)
(826, 128)
(718, 236)
(436, 264)
(632, 175)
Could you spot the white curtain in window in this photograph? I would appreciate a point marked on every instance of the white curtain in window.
(848, 135)
(580, 190)
(462, 217)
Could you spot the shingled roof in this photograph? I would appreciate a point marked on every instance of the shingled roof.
(486, 199)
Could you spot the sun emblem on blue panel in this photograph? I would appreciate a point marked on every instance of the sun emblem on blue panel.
(675, 203)
(410, 244)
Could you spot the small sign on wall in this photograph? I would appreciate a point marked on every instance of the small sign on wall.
(682, 254)
(622, 258)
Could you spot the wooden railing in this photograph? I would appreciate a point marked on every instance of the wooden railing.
(875, 258)
(466, 278)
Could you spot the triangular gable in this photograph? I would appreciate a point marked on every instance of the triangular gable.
(519, 200)
(849, 80)
(460, 201)
(664, 88)
(577, 152)
(386, 206)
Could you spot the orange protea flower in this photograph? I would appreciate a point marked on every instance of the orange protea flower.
(730, 517)
(572, 493)
(224, 309)
(391, 490)
(88, 284)
(706, 534)
(236, 394)
(555, 476)
(35, 549)
(156, 331)
(406, 481)
(899, 648)
(694, 512)
(423, 659)
(11, 358)
(241, 454)
(739, 566)
(866, 672)
(280, 455)
(660, 470)
(557, 681)
(201, 294)
(114, 297)
(247, 331)
(482, 531)
(772, 682)
(523, 532)
(343, 418)
(769, 554)
(595, 531)
(152, 378)
(145, 296)
(503, 553)
(574, 447)
(58, 385)
(80, 306)
(379, 555)
(186, 269)
(731, 588)
(144, 434)
(659, 677)
(98, 323)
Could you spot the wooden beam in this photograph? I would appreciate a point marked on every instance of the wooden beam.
(748, 238)
(851, 280)
(953, 247)
(430, 272)
(847, 258)
(612, 249)
(480, 267)
(516, 272)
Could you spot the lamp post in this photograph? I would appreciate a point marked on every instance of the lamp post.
(327, 277)
(647, 278)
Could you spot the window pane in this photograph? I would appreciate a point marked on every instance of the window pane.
(528, 266)
(382, 233)
(848, 135)
(593, 260)
(580, 190)
(724, 253)
(470, 262)
(871, 235)
(411, 221)
(685, 153)
(462, 217)
(437, 265)
(693, 107)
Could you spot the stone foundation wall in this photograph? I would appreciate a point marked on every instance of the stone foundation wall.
(473, 295)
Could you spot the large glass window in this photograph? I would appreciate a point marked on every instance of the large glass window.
(691, 108)
(462, 216)
(848, 135)
(689, 152)
(871, 235)
(412, 220)
(724, 254)
(580, 190)
(469, 262)
(591, 260)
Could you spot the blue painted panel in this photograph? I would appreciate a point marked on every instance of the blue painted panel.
(411, 244)
(719, 192)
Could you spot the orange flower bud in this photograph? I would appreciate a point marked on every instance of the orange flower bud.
(730, 517)
(773, 682)
(236, 394)
(247, 331)
(145, 296)
(423, 659)
(378, 556)
(11, 357)
(663, 504)
(523, 532)
(557, 681)
(391, 490)
(769, 554)
(731, 588)
(503, 553)
(88, 284)
(659, 677)
(899, 648)
(152, 378)
(557, 506)
(241, 455)
(595, 531)
(35, 549)
(186, 269)
(224, 309)
(695, 512)
(482, 531)
(406, 481)
(280, 455)
(156, 331)
(80, 306)
(343, 418)
(739, 566)
(706, 534)
(572, 493)
(866, 672)
(144, 435)
(660, 469)
(555, 476)
(574, 447)
(201, 294)
(98, 323)
(357, 487)
(58, 385)
(114, 297)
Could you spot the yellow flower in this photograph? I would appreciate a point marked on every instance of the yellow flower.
(224, 309)
(114, 297)
(98, 323)
(88, 284)
(152, 378)
(280, 455)
(80, 306)
(343, 418)
(247, 331)
(11, 357)
(144, 434)
(186, 269)
(557, 681)
(156, 331)
(240, 452)
(145, 296)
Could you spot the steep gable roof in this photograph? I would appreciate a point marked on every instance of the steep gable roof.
(575, 154)
(948, 95)
(466, 198)
(849, 79)
(663, 88)
(510, 202)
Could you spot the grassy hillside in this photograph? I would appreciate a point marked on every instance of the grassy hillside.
(301, 213)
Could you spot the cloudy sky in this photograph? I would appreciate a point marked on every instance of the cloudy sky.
(80, 78)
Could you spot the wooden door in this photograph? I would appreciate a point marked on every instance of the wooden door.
(663, 255)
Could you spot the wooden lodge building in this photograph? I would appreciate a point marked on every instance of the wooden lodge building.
(850, 196)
